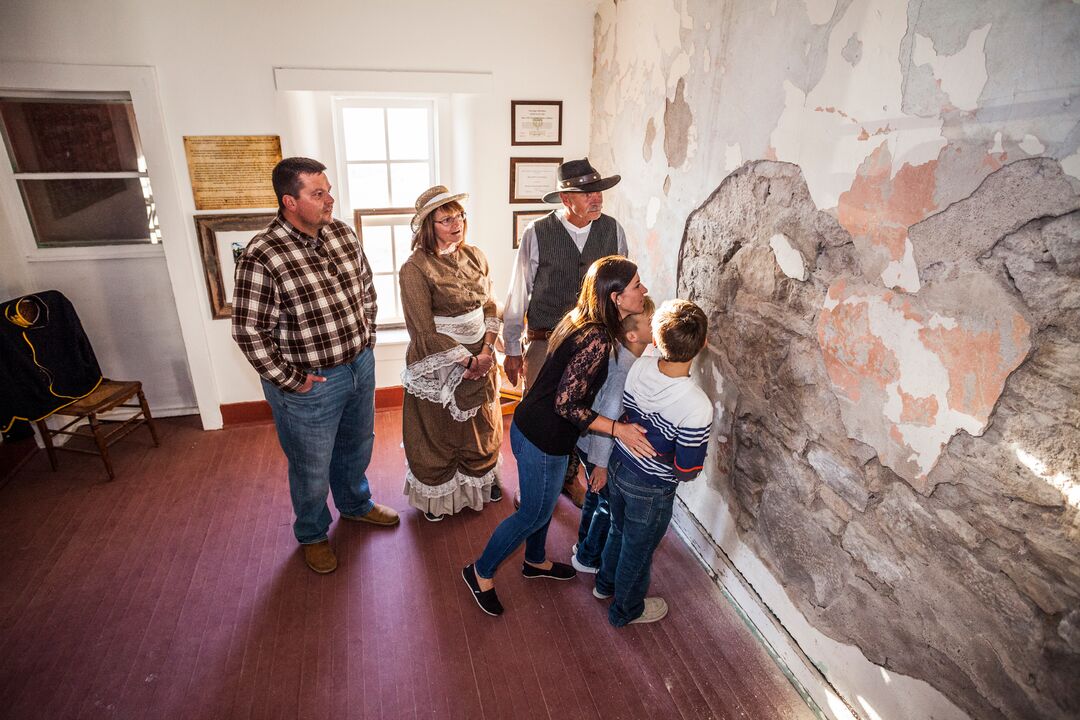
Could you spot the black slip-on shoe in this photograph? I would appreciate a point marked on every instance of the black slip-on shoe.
(486, 599)
(558, 571)
(496, 493)
(432, 517)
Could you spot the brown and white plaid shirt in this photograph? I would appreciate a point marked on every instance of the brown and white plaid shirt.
(301, 302)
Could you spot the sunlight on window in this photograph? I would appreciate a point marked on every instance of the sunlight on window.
(365, 136)
(1069, 488)
(409, 133)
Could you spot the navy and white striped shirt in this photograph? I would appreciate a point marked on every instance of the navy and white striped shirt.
(677, 417)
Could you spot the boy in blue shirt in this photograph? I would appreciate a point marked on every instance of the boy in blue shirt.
(677, 417)
(594, 448)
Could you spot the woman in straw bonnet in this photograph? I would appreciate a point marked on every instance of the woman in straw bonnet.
(451, 419)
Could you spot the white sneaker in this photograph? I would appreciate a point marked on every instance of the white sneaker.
(655, 609)
(599, 595)
(582, 567)
(573, 550)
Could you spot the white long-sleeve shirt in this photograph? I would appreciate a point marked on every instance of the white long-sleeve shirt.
(524, 272)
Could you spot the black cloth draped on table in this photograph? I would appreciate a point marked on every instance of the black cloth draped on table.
(46, 361)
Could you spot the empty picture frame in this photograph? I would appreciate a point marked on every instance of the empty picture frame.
(218, 234)
(536, 122)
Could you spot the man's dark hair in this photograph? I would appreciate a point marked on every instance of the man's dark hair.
(286, 176)
(679, 330)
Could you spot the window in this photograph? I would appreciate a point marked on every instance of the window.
(79, 167)
(387, 156)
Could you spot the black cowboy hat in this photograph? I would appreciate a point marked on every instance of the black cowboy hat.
(580, 176)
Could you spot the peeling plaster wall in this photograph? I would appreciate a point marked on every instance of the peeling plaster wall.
(878, 203)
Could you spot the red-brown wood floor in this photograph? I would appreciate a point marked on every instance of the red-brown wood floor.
(177, 591)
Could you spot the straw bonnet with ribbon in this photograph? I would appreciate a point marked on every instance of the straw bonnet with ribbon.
(432, 199)
(580, 176)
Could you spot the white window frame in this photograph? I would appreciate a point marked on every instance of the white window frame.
(390, 214)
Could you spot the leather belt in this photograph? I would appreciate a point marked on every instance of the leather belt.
(537, 334)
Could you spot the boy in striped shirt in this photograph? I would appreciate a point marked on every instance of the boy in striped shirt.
(677, 416)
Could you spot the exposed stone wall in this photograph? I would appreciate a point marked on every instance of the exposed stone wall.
(893, 282)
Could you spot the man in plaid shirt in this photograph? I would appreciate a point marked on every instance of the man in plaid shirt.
(304, 316)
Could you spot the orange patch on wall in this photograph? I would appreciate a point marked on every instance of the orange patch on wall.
(852, 354)
(918, 410)
(977, 370)
(881, 208)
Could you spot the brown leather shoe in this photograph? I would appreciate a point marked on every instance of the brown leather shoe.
(575, 491)
(378, 515)
(319, 557)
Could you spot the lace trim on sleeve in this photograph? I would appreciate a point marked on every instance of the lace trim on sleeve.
(492, 324)
(436, 377)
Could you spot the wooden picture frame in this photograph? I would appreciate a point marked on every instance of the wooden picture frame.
(217, 250)
(533, 177)
(536, 122)
(522, 218)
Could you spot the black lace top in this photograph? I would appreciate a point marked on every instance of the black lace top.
(558, 407)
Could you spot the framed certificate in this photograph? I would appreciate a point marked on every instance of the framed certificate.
(536, 122)
(522, 218)
(532, 178)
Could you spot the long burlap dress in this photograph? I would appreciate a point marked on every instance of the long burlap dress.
(452, 428)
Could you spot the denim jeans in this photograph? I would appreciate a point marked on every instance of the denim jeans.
(595, 520)
(540, 477)
(640, 513)
(327, 434)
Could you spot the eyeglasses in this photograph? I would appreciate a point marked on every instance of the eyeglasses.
(452, 220)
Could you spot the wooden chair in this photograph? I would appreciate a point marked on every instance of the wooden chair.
(109, 395)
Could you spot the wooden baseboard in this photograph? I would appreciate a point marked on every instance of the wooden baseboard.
(258, 411)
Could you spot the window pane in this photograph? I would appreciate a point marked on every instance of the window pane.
(389, 303)
(87, 212)
(365, 137)
(402, 243)
(378, 249)
(408, 133)
(367, 186)
(84, 136)
(407, 181)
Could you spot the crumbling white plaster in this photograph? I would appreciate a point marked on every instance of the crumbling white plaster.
(732, 157)
(902, 274)
(788, 257)
(1031, 145)
(961, 75)
(1071, 164)
(651, 212)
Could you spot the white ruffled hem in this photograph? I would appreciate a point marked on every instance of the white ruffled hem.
(492, 324)
(436, 378)
(460, 479)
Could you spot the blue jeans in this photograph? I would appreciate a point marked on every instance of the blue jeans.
(595, 520)
(640, 513)
(327, 434)
(540, 477)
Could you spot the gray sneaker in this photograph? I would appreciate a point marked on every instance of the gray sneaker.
(655, 609)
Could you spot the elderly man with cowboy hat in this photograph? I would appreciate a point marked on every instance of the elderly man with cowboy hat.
(554, 254)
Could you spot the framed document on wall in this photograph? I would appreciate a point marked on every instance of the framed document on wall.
(522, 218)
(536, 122)
(532, 178)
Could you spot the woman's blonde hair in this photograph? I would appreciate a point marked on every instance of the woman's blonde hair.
(425, 237)
(611, 274)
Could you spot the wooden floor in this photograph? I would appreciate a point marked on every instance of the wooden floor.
(177, 591)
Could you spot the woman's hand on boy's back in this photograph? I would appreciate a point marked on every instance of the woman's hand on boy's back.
(633, 439)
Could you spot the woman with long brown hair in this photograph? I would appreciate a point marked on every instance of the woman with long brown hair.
(551, 417)
(451, 420)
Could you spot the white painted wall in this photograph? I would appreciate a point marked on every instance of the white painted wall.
(215, 64)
